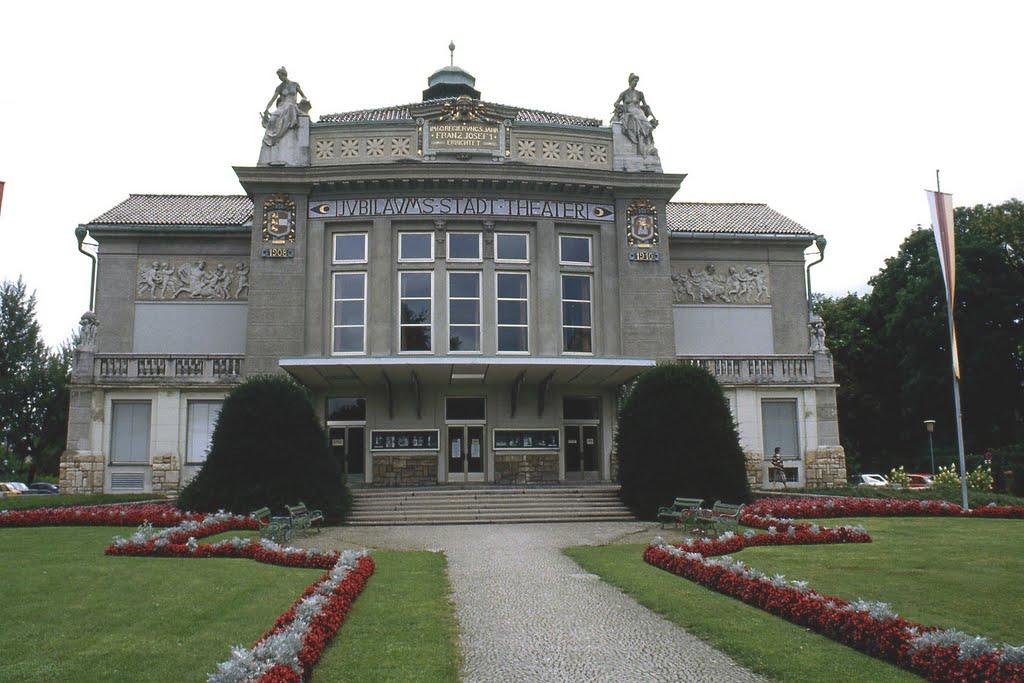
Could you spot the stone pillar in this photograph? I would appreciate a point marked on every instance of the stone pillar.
(166, 472)
(82, 466)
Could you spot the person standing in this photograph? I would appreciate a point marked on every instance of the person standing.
(778, 471)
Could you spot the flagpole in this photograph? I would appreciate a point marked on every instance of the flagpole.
(956, 382)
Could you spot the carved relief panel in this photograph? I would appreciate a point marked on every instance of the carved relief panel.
(721, 283)
(183, 279)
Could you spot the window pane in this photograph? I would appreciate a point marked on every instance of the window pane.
(576, 314)
(202, 417)
(511, 312)
(415, 245)
(416, 311)
(464, 312)
(464, 285)
(576, 287)
(346, 409)
(510, 247)
(464, 339)
(350, 247)
(576, 340)
(349, 285)
(574, 249)
(416, 285)
(511, 285)
(348, 312)
(512, 339)
(458, 408)
(129, 426)
(574, 408)
(348, 339)
(463, 245)
(415, 339)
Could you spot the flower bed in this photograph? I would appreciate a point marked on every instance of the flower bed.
(873, 628)
(820, 507)
(160, 514)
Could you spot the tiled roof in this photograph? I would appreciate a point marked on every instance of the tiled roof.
(402, 113)
(758, 219)
(179, 209)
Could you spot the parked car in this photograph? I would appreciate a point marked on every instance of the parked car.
(44, 487)
(873, 480)
(920, 481)
(9, 489)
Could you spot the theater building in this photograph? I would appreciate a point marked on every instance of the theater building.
(466, 288)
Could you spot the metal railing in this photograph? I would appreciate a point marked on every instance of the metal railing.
(167, 368)
(756, 369)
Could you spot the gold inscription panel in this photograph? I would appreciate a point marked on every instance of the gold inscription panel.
(464, 136)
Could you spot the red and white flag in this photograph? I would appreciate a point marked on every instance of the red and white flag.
(941, 205)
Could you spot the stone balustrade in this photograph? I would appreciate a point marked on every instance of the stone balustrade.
(185, 369)
(758, 369)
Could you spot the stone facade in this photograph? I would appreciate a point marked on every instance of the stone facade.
(81, 473)
(404, 470)
(525, 468)
(166, 473)
(826, 467)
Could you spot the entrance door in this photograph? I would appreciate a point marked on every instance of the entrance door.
(581, 452)
(465, 453)
(348, 445)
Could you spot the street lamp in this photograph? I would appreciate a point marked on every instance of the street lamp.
(930, 426)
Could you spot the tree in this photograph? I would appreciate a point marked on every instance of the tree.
(676, 437)
(269, 449)
(891, 346)
(33, 383)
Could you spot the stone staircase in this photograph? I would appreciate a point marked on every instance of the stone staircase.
(488, 505)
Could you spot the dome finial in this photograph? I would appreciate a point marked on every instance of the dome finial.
(451, 48)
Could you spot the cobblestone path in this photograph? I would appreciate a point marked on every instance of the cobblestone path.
(526, 612)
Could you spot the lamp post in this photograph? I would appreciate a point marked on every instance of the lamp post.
(930, 426)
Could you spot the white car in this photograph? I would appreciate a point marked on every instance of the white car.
(873, 480)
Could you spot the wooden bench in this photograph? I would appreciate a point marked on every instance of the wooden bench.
(682, 511)
(276, 529)
(720, 518)
(303, 519)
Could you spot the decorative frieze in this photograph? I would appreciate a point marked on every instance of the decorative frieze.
(184, 279)
(738, 284)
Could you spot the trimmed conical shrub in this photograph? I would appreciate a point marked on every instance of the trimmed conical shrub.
(269, 449)
(676, 438)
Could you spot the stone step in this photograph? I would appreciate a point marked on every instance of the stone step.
(487, 518)
(498, 500)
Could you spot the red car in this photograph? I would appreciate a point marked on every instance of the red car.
(920, 481)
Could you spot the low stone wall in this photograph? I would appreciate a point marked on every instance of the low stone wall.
(166, 474)
(81, 473)
(826, 467)
(404, 470)
(525, 468)
(755, 473)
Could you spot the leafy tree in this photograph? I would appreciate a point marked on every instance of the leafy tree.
(269, 449)
(676, 437)
(33, 384)
(891, 346)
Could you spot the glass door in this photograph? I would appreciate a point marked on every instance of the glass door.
(581, 452)
(348, 445)
(465, 453)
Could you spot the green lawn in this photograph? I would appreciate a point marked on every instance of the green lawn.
(945, 572)
(27, 502)
(71, 613)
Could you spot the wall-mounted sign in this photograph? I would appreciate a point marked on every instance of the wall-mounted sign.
(404, 440)
(525, 439)
(464, 128)
(462, 206)
(278, 227)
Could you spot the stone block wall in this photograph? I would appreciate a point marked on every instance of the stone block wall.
(404, 470)
(81, 473)
(826, 466)
(525, 468)
(755, 473)
(166, 474)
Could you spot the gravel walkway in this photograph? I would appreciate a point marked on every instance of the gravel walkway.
(526, 612)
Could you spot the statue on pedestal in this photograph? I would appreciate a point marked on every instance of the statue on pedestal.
(286, 114)
(638, 123)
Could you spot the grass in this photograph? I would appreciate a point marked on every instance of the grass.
(28, 502)
(72, 614)
(953, 495)
(943, 572)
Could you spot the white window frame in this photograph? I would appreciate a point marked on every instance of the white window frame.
(401, 325)
(590, 303)
(479, 247)
(149, 441)
(334, 301)
(497, 238)
(590, 250)
(334, 247)
(402, 259)
(498, 325)
(479, 310)
(190, 459)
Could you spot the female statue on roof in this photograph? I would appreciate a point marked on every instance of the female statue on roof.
(638, 123)
(286, 115)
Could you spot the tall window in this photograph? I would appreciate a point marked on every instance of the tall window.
(129, 432)
(574, 250)
(513, 312)
(576, 319)
(512, 247)
(350, 247)
(464, 246)
(463, 311)
(779, 427)
(415, 309)
(349, 313)
(202, 417)
(415, 246)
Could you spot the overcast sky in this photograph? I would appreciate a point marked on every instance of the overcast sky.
(836, 115)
